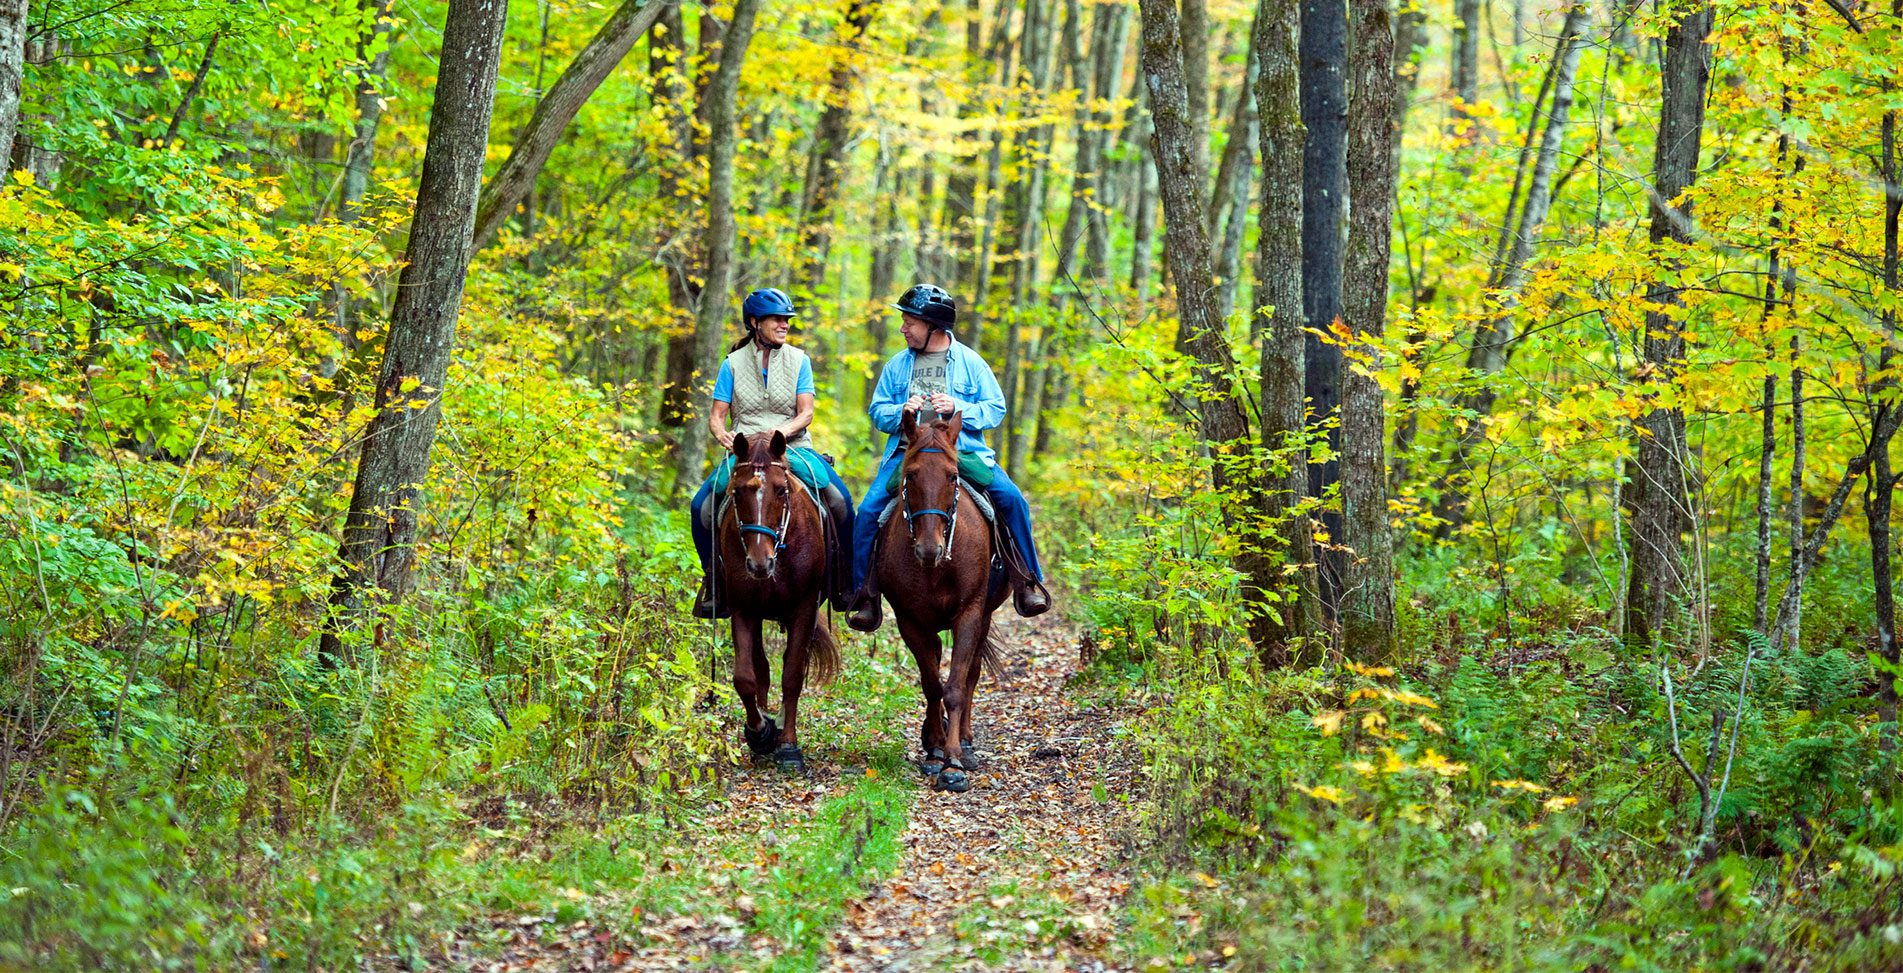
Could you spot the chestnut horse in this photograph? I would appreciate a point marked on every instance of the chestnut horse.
(770, 564)
(939, 578)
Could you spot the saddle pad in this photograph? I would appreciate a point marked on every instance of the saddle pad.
(973, 493)
(804, 463)
(970, 468)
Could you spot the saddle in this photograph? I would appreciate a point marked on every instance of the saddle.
(1005, 562)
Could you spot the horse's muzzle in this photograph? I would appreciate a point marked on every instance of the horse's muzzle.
(930, 555)
(762, 570)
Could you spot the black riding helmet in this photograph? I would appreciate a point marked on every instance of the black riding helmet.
(929, 301)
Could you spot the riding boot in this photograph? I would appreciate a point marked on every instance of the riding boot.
(704, 606)
(868, 609)
(1028, 594)
(839, 508)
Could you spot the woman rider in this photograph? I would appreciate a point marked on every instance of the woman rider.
(765, 385)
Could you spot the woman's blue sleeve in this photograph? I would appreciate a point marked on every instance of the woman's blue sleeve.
(723, 385)
(806, 386)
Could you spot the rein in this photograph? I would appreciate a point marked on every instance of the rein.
(951, 516)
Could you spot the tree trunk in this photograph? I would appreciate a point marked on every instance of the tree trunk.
(829, 147)
(960, 222)
(1493, 339)
(1278, 315)
(1882, 482)
(1767, 452)
(378, 550)
(373, 59)
(1324, 69)
(516, 179)
(675, 95)
(1030, 155)
(12, 71)
(1143, 224)
(1367, 604)
(723, 91)
(1794, 619)
(883, 268)
(1229, 203)
(980, 303)
(1221, 411)
(1466, 68)
(1662, 485)
(1195, 30)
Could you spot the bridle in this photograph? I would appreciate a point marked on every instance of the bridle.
(786, 512)
(951, 515)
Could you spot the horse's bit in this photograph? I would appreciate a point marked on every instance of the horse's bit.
(951, 516)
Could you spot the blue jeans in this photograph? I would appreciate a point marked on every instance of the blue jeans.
(704, 534)
(1004, 495)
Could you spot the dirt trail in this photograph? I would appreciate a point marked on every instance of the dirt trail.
(1026, 871)
(1041, 837)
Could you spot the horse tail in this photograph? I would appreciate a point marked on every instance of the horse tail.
(991, 658)
(822, 654)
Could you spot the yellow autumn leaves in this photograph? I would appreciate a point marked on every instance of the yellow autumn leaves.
(1369, 712)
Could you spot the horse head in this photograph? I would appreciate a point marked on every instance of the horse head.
(761, 493)
(929, 487)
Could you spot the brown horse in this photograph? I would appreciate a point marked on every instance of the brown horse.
(939, 578)
(770, 564)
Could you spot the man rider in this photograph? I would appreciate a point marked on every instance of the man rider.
(935, 371)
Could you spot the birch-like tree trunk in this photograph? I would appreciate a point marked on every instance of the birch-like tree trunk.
(379, 544)
(1493, 339)
(12, 72)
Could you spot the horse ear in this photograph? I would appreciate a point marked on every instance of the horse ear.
(954, 426)
(779, 445)
(740, 445)
(908, 426)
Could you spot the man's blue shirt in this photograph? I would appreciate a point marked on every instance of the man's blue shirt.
(971, 385)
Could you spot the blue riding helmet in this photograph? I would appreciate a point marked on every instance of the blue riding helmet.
(929, 301)
(765, 302)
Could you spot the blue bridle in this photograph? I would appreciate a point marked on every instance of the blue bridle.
(951, 516)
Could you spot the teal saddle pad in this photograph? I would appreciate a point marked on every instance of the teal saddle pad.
(971, 469)
(804, 463)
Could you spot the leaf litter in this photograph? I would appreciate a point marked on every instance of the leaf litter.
(1026, 871)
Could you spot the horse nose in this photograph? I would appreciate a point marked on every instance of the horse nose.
(928, 554)
(759, 569)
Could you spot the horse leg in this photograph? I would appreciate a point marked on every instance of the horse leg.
(966, 737)
(749, 681)
(763, 670)
(967, 628)
(799, 636)
(925, 651)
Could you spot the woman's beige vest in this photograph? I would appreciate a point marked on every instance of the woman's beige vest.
(764, 405)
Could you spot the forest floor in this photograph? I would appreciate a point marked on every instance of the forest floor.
(858, 865)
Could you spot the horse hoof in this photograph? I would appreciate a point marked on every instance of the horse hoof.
(790, 759)
(954, 781)
(969, 761)
(933, 764)
(764, 740)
